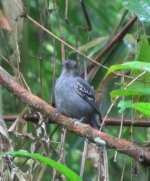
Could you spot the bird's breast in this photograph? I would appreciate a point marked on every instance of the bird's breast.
(68, 101)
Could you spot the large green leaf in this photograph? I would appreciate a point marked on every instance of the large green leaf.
(142, 107)
(134, 65)
(140, 7)
(130, 92)
(143, 53)
(68, 173)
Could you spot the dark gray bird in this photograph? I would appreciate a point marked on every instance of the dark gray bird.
(74, 96)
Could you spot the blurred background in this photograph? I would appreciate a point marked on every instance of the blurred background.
(34, 57)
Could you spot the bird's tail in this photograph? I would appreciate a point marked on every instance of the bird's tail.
(96, 121)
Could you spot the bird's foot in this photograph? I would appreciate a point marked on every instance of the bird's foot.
(78, 122)
(75, 121)
(82, 120)
(58, 114)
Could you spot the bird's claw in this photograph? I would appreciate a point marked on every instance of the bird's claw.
(76, 122)
(58, 114)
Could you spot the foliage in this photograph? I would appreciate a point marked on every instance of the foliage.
(70, 175)
(140, 7)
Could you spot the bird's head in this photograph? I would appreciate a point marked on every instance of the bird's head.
(70, 68)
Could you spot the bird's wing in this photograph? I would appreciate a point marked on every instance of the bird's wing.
(86, 92)
(84, 89)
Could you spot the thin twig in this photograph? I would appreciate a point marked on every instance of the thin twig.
(62, 41)
(61, 33)
(83, 158)
(118, 98)
(89, 26)
(66, 11)
(123, 169)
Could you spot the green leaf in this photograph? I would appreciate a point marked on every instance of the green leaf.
(143, 50)
(124, 105)
(68, 173)
(142, 107)
(130, 42)
(134, 65)
(130, 92)
(140, 7)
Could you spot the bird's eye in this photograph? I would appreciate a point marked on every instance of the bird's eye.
(66, 64)
(75, 66)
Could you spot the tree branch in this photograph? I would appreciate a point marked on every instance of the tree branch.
(138, 153)
(110, 121)
(116, 38)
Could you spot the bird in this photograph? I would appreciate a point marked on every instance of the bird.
(74, 97)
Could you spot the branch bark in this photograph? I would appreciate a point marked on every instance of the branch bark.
(140, 154)
(110, 121)
(119, 36)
